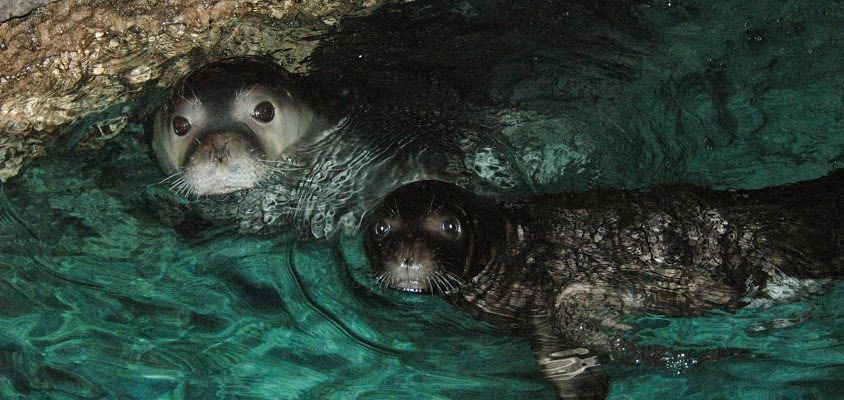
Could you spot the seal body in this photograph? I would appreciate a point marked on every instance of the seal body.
(245, 146)
(226, 123)
(567, 268)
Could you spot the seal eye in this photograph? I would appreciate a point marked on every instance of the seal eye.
(181, 126)
(451, 227)
(264, 111)
(382, 228)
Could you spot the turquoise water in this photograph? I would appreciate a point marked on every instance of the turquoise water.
(99, 299)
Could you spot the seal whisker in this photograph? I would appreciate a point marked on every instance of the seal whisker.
(225, 161)
(390, 277)
(187, 100)
(431, 205)
(448, 272)
(198, 100)
(171, 177)
(437, 283)
(177, 183)
(385, 278)
(449, 284)
(456, 279)
(183, 190)
(183, 187)
(447, 281)
(242, 94)
(379, 278)
(195, 101)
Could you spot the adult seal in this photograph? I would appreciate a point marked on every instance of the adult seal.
(567, 268)
(226, 123)
(244, 144)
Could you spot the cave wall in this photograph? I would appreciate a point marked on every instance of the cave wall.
(78, 60)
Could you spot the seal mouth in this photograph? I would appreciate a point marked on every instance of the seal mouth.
(420, 278)
(223, 162)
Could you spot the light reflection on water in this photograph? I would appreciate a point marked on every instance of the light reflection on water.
(100, 300)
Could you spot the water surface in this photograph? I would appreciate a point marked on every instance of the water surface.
(100, 299)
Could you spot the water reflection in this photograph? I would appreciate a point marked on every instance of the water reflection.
(102, 299)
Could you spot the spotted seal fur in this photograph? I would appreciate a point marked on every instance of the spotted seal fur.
(568, 267)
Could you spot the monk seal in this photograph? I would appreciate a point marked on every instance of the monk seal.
(226, 122)
(567, 268)
(245, 145)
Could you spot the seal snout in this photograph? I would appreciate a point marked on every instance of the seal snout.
(220, 148)
(226, 121)
(421, 237)
(222, 162)
(415, 260)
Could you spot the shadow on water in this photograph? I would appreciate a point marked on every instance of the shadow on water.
(100, 299)
(615, 93)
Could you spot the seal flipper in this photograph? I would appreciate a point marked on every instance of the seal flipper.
(575, 373)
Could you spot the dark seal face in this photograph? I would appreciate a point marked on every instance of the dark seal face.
(431, 237)
(225, 122)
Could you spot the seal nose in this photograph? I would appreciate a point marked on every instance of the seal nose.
(222, 152)
(407, 260)
(217, 149)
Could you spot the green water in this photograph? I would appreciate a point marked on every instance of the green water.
(101, 301)
(98, 299)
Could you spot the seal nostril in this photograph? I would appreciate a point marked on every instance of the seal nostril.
(407, 260)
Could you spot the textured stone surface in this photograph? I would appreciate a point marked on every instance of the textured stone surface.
(84, 60)
(19, 8)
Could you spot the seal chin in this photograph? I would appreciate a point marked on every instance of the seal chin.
(430, 237)
(225, 122)
(415, 277)
(223, 163)
(214, 179)
(426, 277)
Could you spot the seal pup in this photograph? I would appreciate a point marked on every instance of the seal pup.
(226, 123)
(567, 268)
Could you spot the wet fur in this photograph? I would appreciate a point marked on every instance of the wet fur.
(567, 268)
(226, 148)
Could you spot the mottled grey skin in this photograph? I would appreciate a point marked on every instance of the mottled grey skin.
(567, 268)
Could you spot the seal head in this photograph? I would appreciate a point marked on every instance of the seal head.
(431, 237)
(225, 122)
